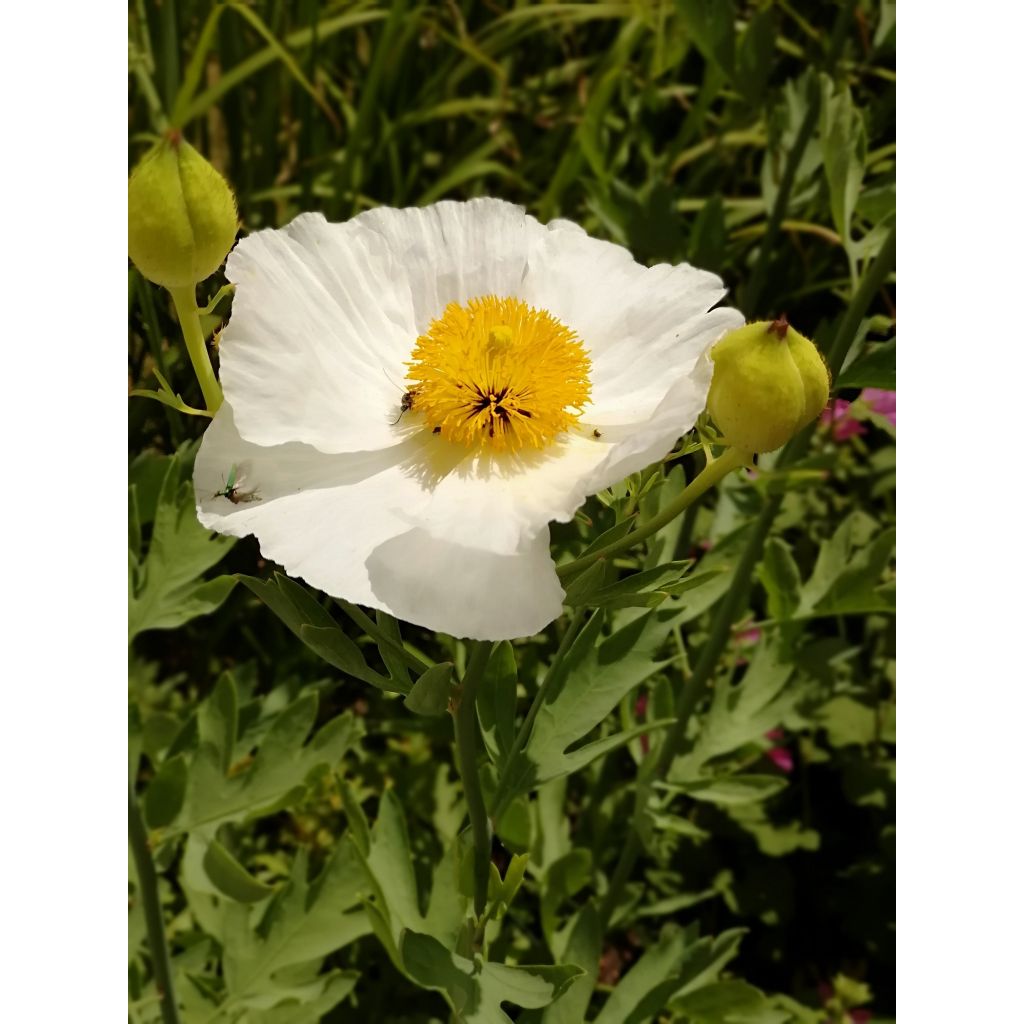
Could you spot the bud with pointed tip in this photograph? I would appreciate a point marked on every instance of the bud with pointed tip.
(182, 217)
(769, 382)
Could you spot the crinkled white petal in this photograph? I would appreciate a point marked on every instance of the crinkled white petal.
(325, 316)
(643, 327)
(343, 523)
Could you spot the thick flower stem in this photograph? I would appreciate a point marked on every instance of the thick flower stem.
(188, 316)
(149, 893)
(711, 474)
(466, 755)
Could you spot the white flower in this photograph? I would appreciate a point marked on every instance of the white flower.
(411, 397)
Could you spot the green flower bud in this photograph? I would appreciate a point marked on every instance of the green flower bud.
(769, 382)
(182, 217)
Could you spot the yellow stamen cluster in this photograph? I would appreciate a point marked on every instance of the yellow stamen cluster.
(499, 374)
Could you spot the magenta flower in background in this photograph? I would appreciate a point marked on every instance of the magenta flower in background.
(778, 755)
(882, 402)
(846, 420)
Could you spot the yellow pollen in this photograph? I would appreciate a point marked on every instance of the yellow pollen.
(499, 374)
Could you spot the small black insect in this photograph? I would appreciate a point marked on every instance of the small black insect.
(597, 433)
(407, 402)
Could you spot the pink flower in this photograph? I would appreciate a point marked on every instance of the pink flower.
(778, 755)
(882, 402)
(749, 637)
(846, 422)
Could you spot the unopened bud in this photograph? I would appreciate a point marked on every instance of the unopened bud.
(182, 217)
(769, 382)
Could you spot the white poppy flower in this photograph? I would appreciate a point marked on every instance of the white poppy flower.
(412, 396)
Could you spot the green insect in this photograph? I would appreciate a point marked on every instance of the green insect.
(233, 492)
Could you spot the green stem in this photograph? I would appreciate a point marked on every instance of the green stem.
(553, 674)
(711, 474)
(188, 316)
(149, 893)
(466, 755)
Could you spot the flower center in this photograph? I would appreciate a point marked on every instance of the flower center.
(498, 373)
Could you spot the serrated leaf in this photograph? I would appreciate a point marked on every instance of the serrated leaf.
(845, 580)
(277, 774)
(165, 590)
(302, 924)
(741, 714)
(431, 693)
(477, 988)
(583, 948)
(596, 676)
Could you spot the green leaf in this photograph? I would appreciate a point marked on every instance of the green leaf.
(845, 581)
(165, 795)
(781, 578)
(431, 693)
(397, 666)
(515, 826)
(755, 54)
(315, 627)
(874, 369)
(647, 986)
(496, 702)
(164, 589)
(644, 589)
(596, 677)
(276, 776)
(712, 26)
(736, 789)
(230, 877)
(583, 949)
(843, 144)
(476, 988)
(727, 1002)
(741, 714)
(709, 236)
(303, 924)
